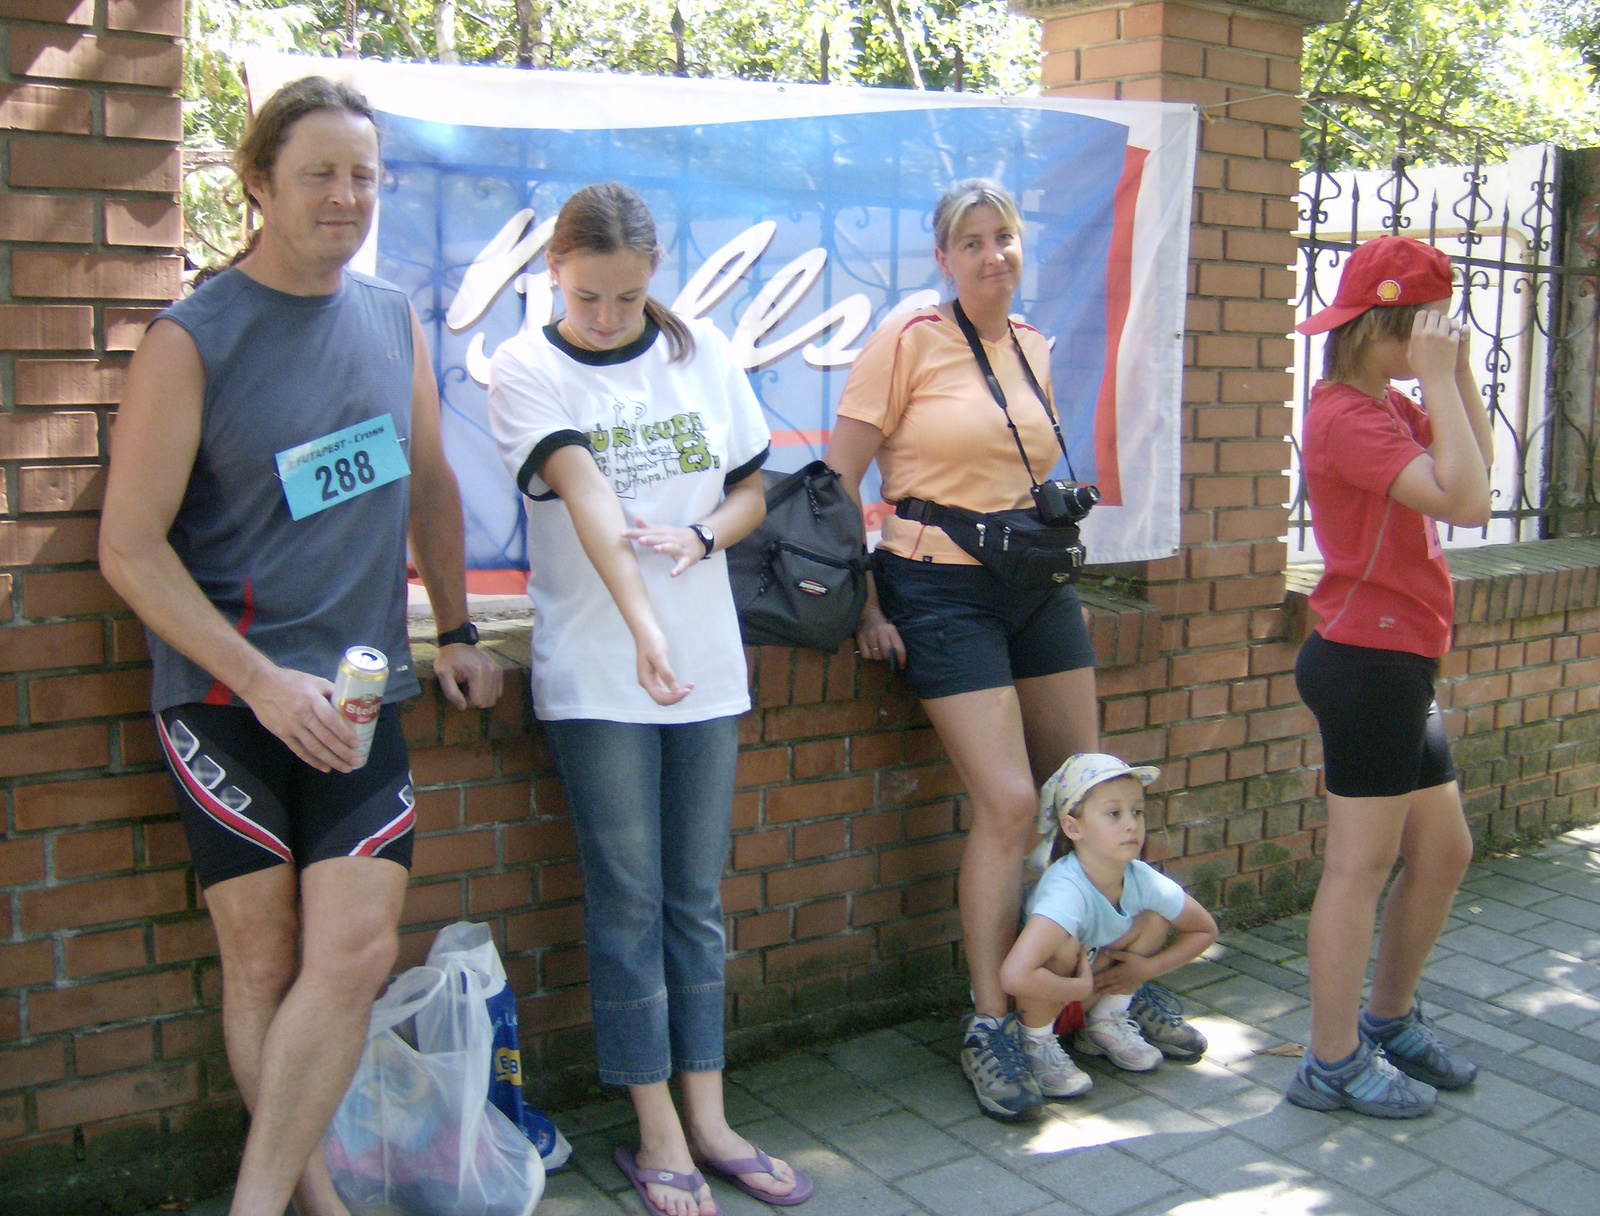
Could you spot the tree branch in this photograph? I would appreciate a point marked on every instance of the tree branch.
(1392, 111)
(905, 45)
(1351, 16)
(404, 26)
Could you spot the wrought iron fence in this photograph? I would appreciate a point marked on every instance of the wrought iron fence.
(1529, 307)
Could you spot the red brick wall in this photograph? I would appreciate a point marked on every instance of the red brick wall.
(1219, 705)
(105, 1017)
(840, 887)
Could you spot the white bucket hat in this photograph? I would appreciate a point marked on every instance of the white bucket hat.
(1080, 774)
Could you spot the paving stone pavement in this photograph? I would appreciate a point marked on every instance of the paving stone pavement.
(887, 1125)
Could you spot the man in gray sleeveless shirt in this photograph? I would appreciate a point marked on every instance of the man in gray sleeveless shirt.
(278, 444)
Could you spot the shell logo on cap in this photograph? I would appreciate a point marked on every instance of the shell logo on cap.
(1388, 291)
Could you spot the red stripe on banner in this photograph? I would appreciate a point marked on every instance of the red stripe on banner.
(485, 582)
(393, 830)
(232, 820)
(794, 439)
(220, 693)
(1119, 285)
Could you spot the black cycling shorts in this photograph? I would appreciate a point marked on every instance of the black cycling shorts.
(964, 630)
(249, 803)
(1382, 733)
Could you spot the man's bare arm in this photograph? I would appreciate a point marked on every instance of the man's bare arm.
(466, 674)
(157, 439)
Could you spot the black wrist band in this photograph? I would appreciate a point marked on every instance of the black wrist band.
(467, 634)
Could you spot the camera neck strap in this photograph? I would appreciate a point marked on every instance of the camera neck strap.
(970, 332)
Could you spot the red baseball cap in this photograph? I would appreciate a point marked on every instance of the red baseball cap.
(1385, 271)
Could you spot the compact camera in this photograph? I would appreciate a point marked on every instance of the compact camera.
(1064, 502)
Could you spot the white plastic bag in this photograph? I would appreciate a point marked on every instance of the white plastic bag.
(416, 1134)
(473, 945)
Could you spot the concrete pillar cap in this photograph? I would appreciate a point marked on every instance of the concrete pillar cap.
(1307, 12)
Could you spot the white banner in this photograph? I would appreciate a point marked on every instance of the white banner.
(797, 217)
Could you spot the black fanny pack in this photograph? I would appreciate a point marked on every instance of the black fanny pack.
(1017, 547)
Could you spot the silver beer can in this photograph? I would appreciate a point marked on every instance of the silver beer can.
(358, 693)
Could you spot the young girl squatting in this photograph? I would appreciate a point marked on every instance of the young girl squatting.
(1098, 923)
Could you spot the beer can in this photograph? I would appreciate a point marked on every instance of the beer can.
(358, 693)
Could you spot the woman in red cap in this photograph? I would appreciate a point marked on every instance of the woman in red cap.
(1380, 470)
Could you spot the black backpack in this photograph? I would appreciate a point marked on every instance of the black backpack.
(800, 579)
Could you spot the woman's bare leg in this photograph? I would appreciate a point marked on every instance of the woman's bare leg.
(714, 1140)
(662, 1145)
(1436, 848)
(1363, 842)
(1060, 718)
(1004, 742)
(983, 734)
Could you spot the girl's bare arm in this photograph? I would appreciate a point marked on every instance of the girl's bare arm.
(1026, 973)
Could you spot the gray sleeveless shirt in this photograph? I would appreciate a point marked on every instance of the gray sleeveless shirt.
(282, 370)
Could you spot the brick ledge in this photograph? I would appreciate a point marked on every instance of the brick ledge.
(1492, 583)
(1124, 631)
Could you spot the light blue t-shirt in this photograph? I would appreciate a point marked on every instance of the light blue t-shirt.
(1065, 895)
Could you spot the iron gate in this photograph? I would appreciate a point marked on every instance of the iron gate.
(1524, 237)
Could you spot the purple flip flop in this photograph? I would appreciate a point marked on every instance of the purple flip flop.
(761, 1164)
(641, 1175)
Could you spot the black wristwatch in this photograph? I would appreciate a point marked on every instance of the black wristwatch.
(708, 538)
(467, 634)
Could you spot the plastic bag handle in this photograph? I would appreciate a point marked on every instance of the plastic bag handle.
(472, 944)
(410, 991)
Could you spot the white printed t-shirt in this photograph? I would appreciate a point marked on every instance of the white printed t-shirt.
(1065, 895)
(669, 437)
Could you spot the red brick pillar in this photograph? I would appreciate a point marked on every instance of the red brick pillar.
(1219, 708)
(97, 922)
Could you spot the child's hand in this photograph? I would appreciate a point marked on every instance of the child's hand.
(1435, 347)
(1464, 355)
(1126, 972)
(1085, 970)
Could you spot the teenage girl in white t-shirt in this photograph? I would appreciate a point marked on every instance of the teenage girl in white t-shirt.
(638, 442)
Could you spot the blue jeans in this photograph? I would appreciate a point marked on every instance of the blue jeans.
(651, 806)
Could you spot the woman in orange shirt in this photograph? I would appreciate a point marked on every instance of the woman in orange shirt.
(1006, 676)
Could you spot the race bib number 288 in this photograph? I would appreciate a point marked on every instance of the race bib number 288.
(340, 466)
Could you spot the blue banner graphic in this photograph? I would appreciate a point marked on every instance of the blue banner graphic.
(798, 218)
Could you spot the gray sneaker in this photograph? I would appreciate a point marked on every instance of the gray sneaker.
(1159, 1016)
(1368, 1085)
(992, 1058)
(1415, 1048)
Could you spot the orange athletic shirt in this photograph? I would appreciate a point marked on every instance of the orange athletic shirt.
(945, 438)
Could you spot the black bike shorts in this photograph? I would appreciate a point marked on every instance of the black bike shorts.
(964, 630)
(249, 803)
(1382, 734)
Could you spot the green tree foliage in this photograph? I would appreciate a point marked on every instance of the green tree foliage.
(214, 108)
(1453, 75)
(747, 39)
(1576, 24)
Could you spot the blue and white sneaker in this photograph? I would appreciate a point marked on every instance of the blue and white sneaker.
(1159, 1016)
(992, 1058)
(1415, 1048)
(1368, 1085)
